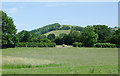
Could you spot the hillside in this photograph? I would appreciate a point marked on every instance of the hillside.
(54, 27)
(57, 32)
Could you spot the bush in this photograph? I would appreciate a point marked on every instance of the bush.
(105, 45)
(77, 44)
(35, 44)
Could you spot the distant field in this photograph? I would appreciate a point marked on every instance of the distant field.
(57, 32)
(60, 60)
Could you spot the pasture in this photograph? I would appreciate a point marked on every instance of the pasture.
(58, 60)
(58, 32)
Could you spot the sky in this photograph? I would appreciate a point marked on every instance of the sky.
(33, 15)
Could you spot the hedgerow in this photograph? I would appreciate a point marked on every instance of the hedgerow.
(105, 45)
(35, 44)
(77, 44)
(102, 45)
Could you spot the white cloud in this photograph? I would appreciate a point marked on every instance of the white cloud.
(12, 10)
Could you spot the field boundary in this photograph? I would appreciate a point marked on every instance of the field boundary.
(60, 75)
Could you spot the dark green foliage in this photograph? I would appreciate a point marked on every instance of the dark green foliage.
(9, 37)
(73, 36)
(62, 35)
(77, 28)
(65, 27)
(47, 28)
(88, 36)
(103, 32)
(59, 40)
(105, 45)
(115, 38)
(35, 44)
(24, 36)
(51, 36)
(44, 40)
(77, 44)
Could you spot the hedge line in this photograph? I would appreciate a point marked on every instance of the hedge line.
(77, 44)
(105, 45)
(102, 45)
(35, 44)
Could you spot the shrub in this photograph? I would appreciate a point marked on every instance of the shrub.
(105, 45)
(35, 44)
(77, 44)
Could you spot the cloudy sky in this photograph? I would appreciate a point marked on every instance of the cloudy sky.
(32, 15)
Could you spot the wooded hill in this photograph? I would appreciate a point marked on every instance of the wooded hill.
(54, 27)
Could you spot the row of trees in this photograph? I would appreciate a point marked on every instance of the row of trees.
(88, 36)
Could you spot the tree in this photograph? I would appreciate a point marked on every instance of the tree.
(43, 38)
(24, 36)
(115, 38)
(59, 39)
(65, 27)
(8, 31)
(89, 37)
(51, 36)
(77, 28)
(73, 36)
(103, 32)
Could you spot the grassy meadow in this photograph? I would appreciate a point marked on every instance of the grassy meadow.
(0, 62)
(58, 60)
(58, 32)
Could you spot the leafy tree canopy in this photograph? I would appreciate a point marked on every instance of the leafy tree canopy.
(89, 37)
(103, 32)
(8, 31)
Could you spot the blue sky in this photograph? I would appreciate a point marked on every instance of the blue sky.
(32, 15)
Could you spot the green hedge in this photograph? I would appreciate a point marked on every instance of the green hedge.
(35, 44)
(102, 45)
(77, 44)
(105, 45)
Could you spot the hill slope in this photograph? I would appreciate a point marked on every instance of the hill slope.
(54, 27)
(57, 32)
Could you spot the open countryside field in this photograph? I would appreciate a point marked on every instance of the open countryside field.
(60, 60)
(0, 62)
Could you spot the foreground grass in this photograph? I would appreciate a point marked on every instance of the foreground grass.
(0, 62)
(60, 60)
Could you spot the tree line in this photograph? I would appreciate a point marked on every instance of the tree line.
(88, 36)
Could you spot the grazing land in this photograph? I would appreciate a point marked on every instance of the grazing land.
(68, 60)
(0, 62)
(58, 32)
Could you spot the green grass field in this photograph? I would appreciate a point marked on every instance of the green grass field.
(60, 60)
(0, 62)
(57, 32)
